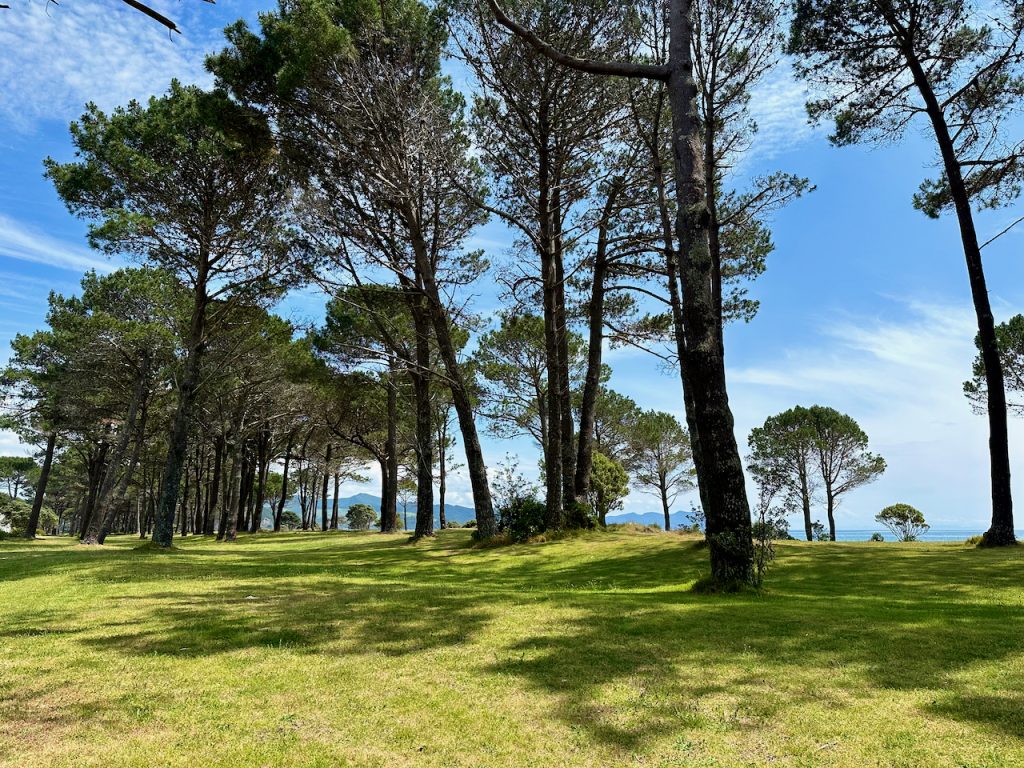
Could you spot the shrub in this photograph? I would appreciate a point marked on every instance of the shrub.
(580, 515)
(521, 518)
(469, 524)
(771, 529)
(905, 522)
(818, 531)
(877, 537)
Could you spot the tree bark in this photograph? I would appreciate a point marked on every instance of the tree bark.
(334, 504)
(424, 423)
(595, 341)
(486, 524)
(284, 485)
(44, 478)
(721, 470)
(324, 488)
(664, 503)
(1001, 529)
(177, 443)
(805, 498)
(389, 505)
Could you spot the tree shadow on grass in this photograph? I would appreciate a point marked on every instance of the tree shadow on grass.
(891, 621)
(634, 655)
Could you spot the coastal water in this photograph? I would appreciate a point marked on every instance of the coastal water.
(864, 534)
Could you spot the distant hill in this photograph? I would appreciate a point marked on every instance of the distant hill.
(452, 512)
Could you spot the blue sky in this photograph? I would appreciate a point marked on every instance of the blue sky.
(864, 306)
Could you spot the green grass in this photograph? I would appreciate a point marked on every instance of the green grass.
(364, 650)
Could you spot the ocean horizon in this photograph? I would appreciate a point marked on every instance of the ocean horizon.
(864, 534)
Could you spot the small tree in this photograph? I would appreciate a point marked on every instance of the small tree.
(661, 458)
(360, 517)
(609, 485)
(16, 473)
(406, 493)
(782, 454)
(842, 457)
(905, 522)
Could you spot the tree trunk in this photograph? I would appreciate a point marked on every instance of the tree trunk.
(284, 486)
(424, 423)
(805, 498)
(213, 495)
(664, 503)
(486, 525)
(831, 508)
(324, 488)
(570, 516)
(263, 469)
(389, 511)
(44, 477)
(121, 492)
(595, 341)
(442, 468)
(177, 443)
(97, 462)
(334, 504)
(721, 470)
(1001, 530)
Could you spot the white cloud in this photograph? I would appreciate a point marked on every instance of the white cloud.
(56, 58)
(902, 381)
(25, 244)
(777, 105)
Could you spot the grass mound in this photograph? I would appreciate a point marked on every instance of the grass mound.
(356, 649)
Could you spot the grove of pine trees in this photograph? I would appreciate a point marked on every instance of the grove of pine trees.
(334, 151)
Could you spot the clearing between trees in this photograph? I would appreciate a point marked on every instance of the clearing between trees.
(353, 649)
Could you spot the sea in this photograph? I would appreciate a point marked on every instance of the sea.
(864, 534)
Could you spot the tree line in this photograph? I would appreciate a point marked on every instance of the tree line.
(334, 151)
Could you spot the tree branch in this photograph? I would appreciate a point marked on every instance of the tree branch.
(614, 68)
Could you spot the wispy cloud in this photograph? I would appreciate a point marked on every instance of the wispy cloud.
(57, 58)
(26, 244)
(778, 106)
(902, 380)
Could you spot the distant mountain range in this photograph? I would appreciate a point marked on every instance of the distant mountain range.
(452, 512)
(458, 514)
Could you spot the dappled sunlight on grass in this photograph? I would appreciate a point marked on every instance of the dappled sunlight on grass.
(361, 649)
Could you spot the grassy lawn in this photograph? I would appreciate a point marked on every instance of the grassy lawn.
(364, 650)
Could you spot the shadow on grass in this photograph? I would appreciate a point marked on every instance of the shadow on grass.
(898, 617)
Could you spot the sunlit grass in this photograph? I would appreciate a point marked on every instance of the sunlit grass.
(364, 650)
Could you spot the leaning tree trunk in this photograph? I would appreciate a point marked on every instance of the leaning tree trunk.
(44, 477)
(102, 517)
(334, 503)
(595, 340)
(1001, 530)
(486, 524)
(119, 499)
(177, 443)
(284, 486)
(721, 472)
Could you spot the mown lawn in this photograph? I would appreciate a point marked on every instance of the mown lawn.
(363, 650)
